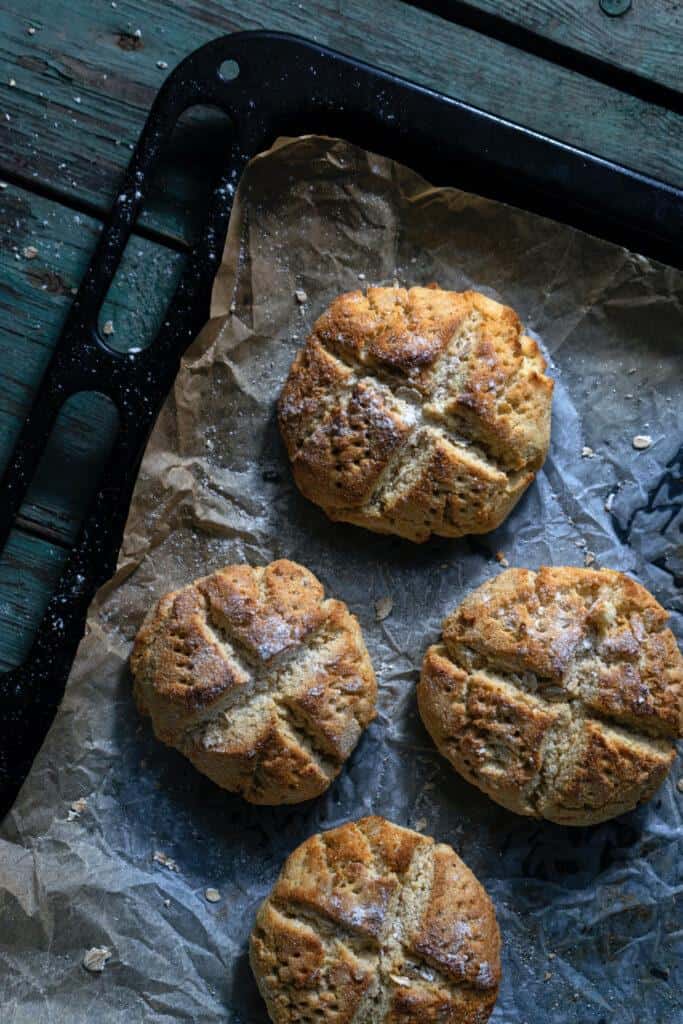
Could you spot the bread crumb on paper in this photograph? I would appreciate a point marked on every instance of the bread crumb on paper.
(501, 559)
(300, 296)
(29, 252)
(162, 858)
(76, 809)
(212, 895)
(383, 608)
(398, 980)
(95, 959)
(641, 442)
(587, 452)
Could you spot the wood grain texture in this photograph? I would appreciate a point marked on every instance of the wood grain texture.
(70, 468)
(84, 85)
(646, 40)
(34, 296)
(29, 570)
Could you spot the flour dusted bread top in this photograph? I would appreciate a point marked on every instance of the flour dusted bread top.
(559, 693)
(371, 923)
(259, 680)
(417, 411)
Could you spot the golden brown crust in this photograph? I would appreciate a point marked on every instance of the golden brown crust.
(262, 683)
(371, 923)
(417, 411)
(559, 693)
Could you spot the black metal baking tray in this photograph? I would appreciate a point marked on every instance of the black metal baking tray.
(284, 85)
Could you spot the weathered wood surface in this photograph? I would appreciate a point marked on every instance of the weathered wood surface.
(29, 570)
(646, 40)
(82, 84)
(45, 250)
(35, 292)
(85, 81)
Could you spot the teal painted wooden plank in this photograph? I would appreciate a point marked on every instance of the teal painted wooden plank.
(34, 297)
(646, 40)
(71, 468)
(29, 570)
(84, 83)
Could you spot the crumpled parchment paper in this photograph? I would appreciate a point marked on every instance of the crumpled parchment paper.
(589, 917)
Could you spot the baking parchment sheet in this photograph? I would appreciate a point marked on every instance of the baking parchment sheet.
(590, 918)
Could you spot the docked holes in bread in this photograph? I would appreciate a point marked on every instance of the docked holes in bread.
(370, 923)
(262, 682)
(417, 412)
(559, 693)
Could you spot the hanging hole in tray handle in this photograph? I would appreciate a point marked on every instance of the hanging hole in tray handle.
(229, 70)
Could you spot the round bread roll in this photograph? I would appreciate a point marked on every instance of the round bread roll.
(417, 411)
(262, 683)
(375, 924)
(558, 693)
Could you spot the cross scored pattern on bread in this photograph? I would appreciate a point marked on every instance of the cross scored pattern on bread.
(417, 411)
(262, 683)
(370, 923)
(558, 693)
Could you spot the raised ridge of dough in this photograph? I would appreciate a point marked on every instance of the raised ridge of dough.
(416, 411)
(371, 923)
(559, 693)
(262, 683)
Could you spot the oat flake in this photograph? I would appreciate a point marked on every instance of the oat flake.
(95, 959)
(162, 858)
